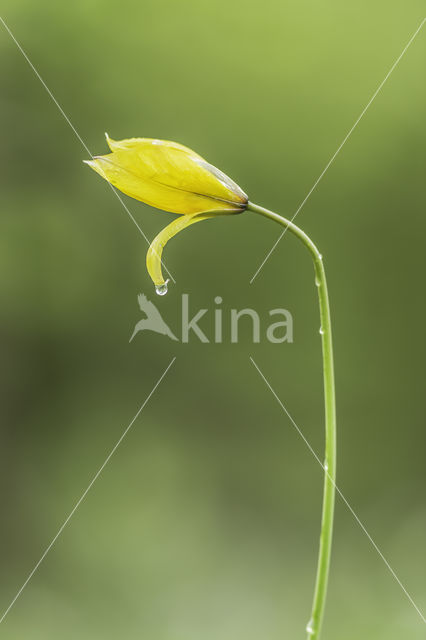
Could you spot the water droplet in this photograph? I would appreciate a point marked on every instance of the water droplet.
(161, 289)
(321, 330)
(320, 256)
(310, 627)
(317, 282)
(326, 466)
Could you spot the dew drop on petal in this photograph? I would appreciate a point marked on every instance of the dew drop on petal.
(161, 289)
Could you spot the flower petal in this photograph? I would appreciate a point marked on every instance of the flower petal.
(137, 143)
(155, 251)
(122, 170)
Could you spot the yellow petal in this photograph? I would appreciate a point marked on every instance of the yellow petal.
(135, 143)
(168, 176)
(155, 251)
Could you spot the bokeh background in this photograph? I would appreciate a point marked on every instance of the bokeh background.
(205, 522)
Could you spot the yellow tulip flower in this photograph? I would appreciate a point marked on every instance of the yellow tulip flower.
(171, 177)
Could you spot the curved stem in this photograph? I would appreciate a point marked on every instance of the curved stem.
(314, 625)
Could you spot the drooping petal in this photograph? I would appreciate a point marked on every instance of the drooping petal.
(155, 251)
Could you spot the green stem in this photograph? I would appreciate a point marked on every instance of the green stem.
(314, 625)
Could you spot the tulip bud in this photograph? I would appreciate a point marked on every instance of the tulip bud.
(168, 176)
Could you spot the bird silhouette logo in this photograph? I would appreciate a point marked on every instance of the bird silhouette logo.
(153, 320)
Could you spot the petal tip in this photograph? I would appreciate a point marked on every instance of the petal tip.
(110, 141)
(97, 165)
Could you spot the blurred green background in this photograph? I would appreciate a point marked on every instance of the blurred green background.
(204, 524)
